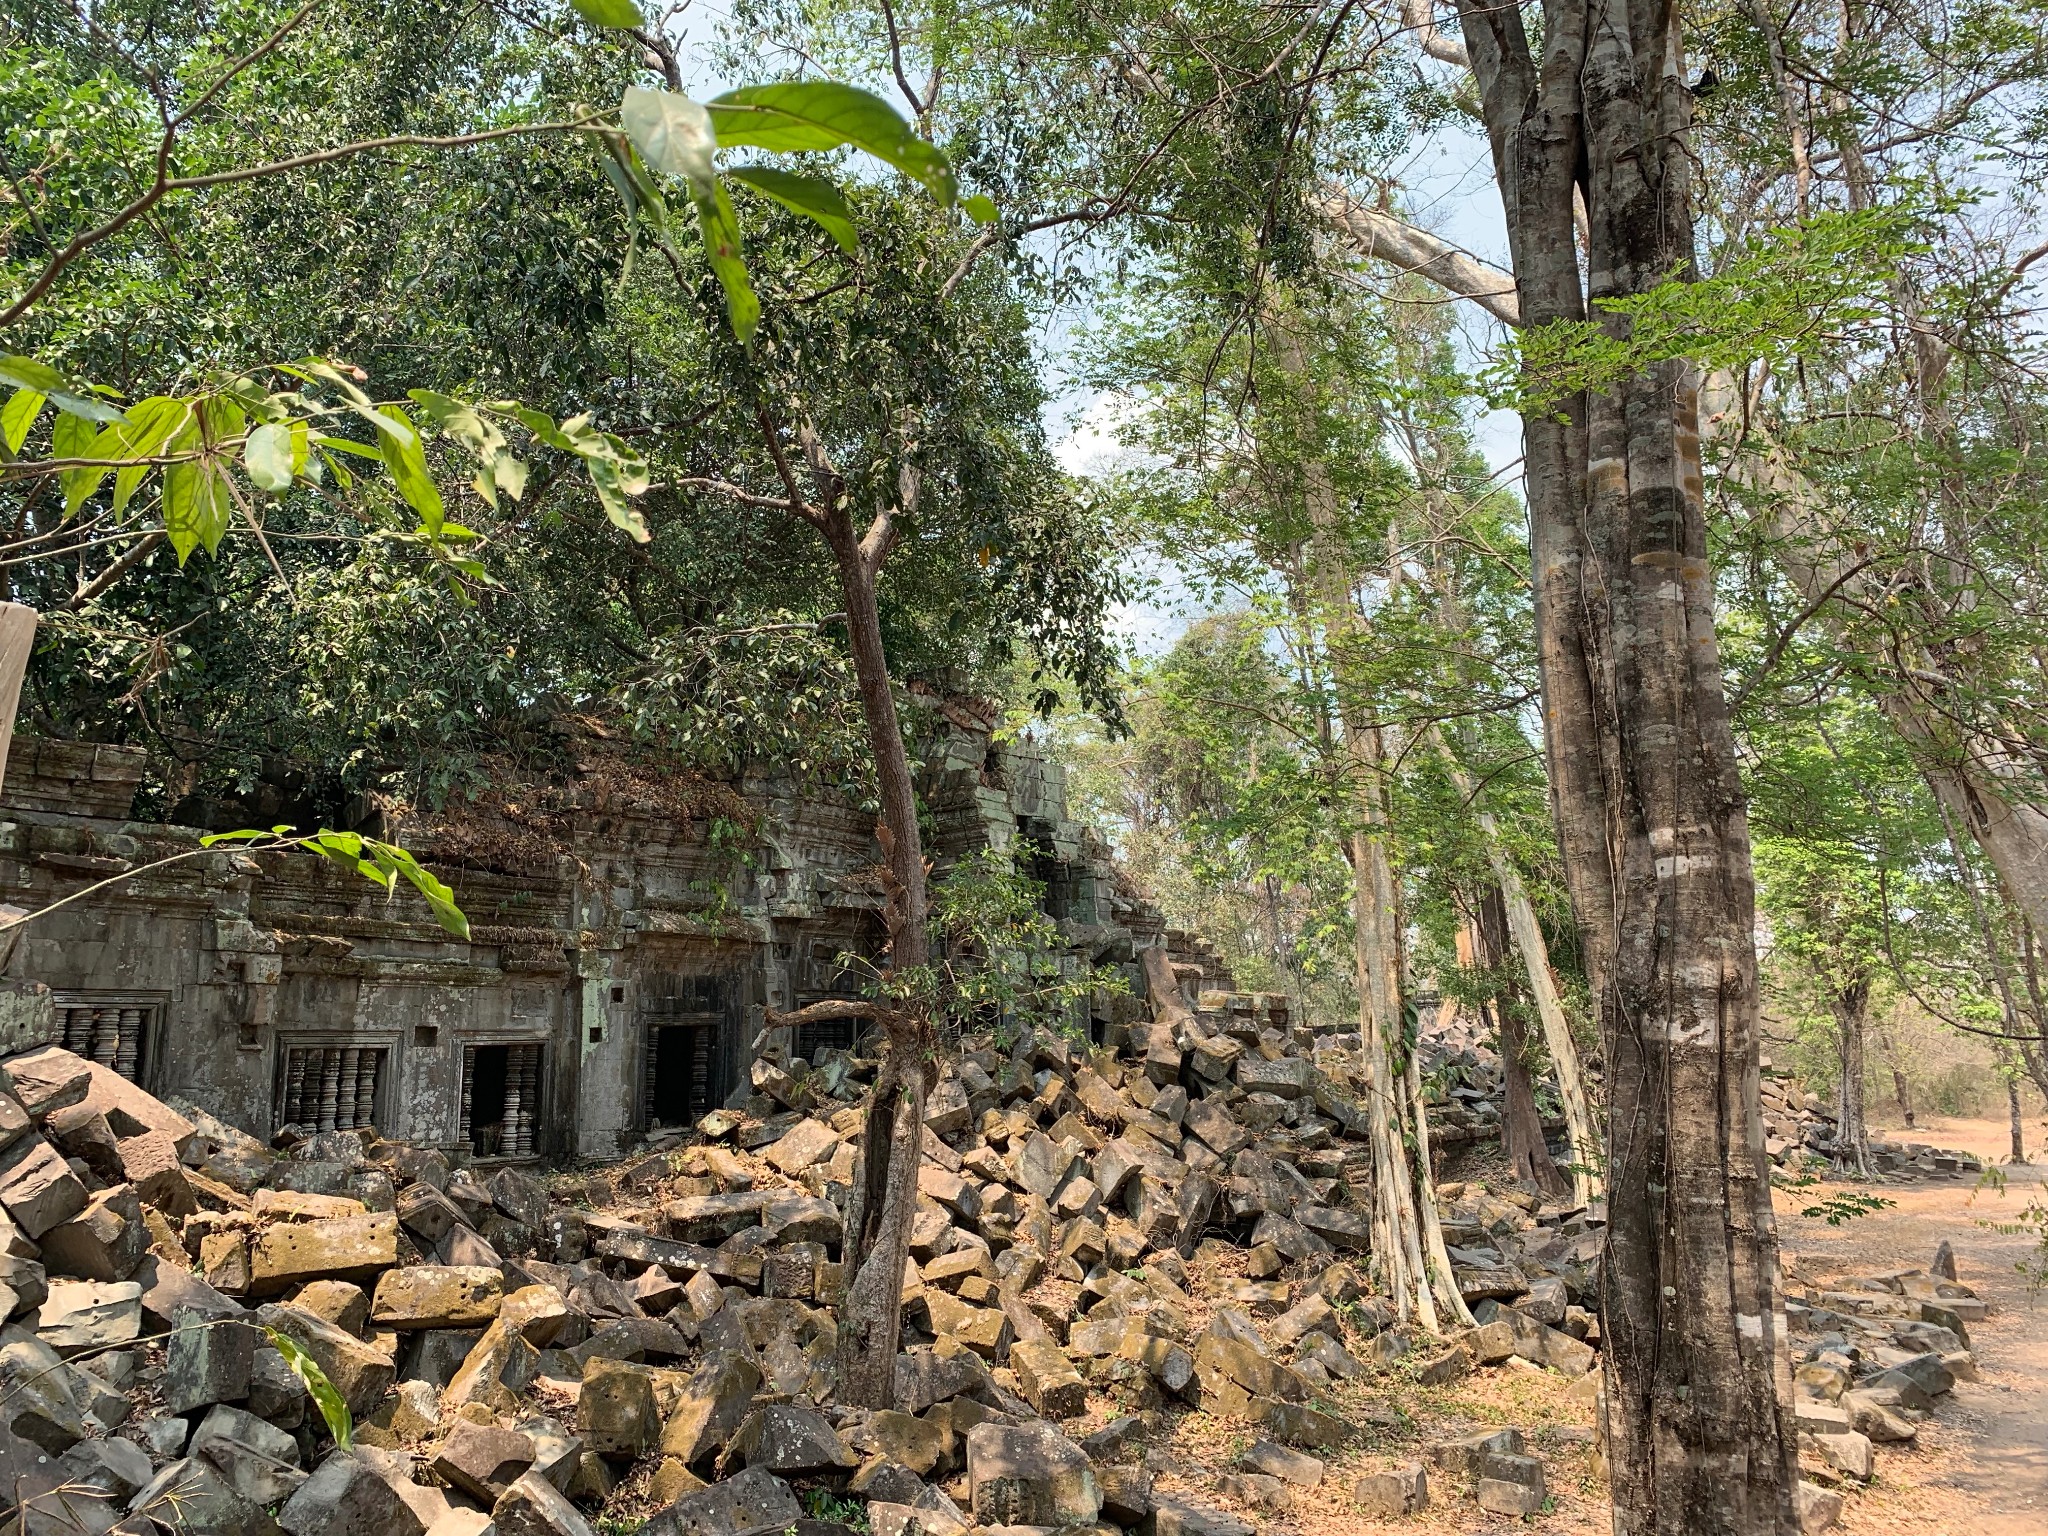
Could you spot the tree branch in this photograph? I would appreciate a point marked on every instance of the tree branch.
(1386, 238)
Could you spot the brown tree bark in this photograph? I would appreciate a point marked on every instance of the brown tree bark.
(877, 1240)
(1521, 1122)
(1851, 1004)
(1647, 796)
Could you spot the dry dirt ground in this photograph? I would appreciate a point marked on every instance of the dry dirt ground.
(1980, 1467)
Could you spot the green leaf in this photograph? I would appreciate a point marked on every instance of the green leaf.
(267, 455)
(610, 13)
(73, 437)
(539, 423)
(20, 413)
(796, 115)
(407, 460)
(27, 373)
(721, 230)
(979, 208)
(150, 424)
(450, 916)
(196, 507)
(333, 1408)
(812, 196)
(673, 133)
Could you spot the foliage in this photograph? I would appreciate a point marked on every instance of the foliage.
(1000, 962)
(1837, 1207)
(333, 1409)
(378, 862)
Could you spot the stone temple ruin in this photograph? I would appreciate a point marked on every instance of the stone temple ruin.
(626, 940)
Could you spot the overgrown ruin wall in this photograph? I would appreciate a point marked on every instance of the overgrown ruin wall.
(620, 961)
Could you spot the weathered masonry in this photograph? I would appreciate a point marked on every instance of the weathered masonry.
(621, 957)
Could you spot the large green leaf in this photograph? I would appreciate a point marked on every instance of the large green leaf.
(27, 373)
(195, 507)
(721, 229)
(22, 409)
(812, 196)
(150, 424)
(611, 13)
(407, 460)
(673, 133)
(73, 437)
(267, 455)
(824, 114)
(333, 1407)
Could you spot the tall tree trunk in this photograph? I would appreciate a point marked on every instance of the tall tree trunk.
(1899, 1092)
(877, 1241)
(1521, 1122)
(1409, 1244)
(1643, 770)
(1852, 1133)
(1563, 1044)
(884, 1197)
(2012, 1110)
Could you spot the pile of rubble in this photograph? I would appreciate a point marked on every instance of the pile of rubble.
(1874, 1360)
(1102, 1238)
(1798, 1125)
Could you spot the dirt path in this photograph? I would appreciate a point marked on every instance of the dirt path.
(1980, 1467)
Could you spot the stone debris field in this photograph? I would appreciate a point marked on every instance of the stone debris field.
(1110, 1241)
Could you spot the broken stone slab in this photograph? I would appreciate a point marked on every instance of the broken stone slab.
(1173, 1515)
(1820, 1509)
(1279, 1461)
(755, 1503)
(1462, 1455)
(360, 1373)
(483, 1460)
(711, 1405)
(350, 1248)
(104, 1241)
(1870, 1417)
(338, 1302)
(348, 1495)
(533, 1506)
(1848, 1452)
(616, 1412)
(499, 1367)
(1497, 1496)
(792, 1441)
(1400, 1490)
(192, 1494)
(37, 1186)
(437, 1296)
(809, 1142)
(1299, 1424)
(49, 1079)
(207, 1363)
(258, 1460)
(78, 1315)
(1029, 1474)
(36, 1400)
(1048, 1381)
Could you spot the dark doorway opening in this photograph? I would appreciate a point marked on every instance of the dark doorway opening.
(684, 1087)
(690, 1028)
(500, 1099)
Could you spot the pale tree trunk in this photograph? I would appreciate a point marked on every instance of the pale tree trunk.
(1899, 1091)
(2024, 1041)
(1521, 1122)
(1557, 1025)
(2012, 1110)
(884, 1195)
(1644, 778)
(1409, 1242)
(1851, 1003)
